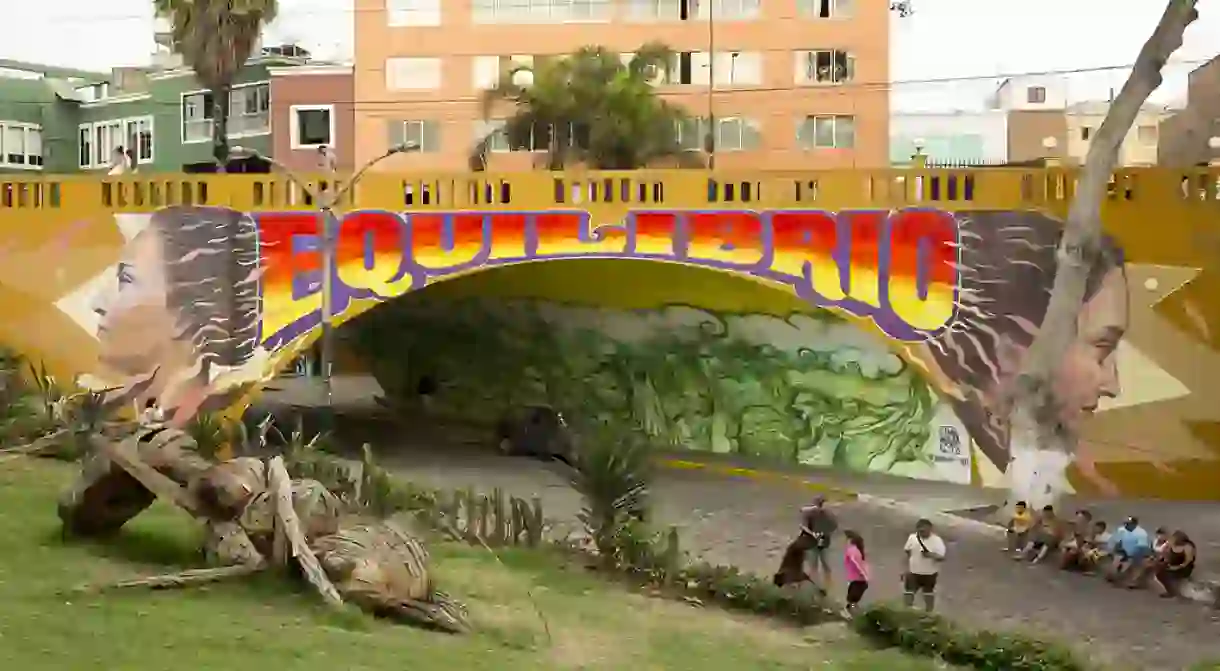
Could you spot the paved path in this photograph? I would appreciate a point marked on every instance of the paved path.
(748, 524)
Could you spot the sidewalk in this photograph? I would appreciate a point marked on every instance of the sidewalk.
(948, 505)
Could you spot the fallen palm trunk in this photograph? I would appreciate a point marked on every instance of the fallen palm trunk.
(251, 511)
(186, 578)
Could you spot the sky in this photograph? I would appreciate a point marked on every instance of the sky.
(944, 39)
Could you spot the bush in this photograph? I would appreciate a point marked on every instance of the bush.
(614, 481)
(930, 635)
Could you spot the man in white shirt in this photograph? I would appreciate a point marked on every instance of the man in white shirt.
(925, 552)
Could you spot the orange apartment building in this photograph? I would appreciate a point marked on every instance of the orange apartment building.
(799, 84)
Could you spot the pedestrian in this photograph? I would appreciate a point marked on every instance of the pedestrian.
(925, 551)
(855, 568)
(818, 525)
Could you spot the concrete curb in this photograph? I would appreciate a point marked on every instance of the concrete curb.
(831, 492)
(938, 517)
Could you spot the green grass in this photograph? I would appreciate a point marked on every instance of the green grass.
(266, 624)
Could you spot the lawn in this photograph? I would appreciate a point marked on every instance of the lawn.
(265, 624)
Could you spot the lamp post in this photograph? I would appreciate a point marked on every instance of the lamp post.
(1049, 144)
(711, 84)
(919, 159)
(326, 200)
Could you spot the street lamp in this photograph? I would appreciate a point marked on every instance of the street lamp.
(330, 224)
(1049, 144)
(919, 158)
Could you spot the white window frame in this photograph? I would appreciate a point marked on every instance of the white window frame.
(27, 129)
(294, 125)
(739, 68)
(84, 145)
(745, 128)
(433, 80)
(112, 130)
(423, 125)
(485, 127)
(806, 72)
(237, 93)
(811, 144)
(839, 9)
(413, 13)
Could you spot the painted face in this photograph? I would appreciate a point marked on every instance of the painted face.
(1089, 369)
(136, 328)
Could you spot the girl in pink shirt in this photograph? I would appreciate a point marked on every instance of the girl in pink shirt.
(856, 569)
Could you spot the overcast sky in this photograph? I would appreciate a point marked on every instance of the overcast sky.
(945, 39)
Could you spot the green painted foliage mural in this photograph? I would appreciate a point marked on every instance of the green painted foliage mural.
(811, 389)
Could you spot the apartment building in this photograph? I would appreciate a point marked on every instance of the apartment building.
(793, 84)
(1139, 148)
(1186, 136)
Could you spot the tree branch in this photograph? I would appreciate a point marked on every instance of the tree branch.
(1081, 242)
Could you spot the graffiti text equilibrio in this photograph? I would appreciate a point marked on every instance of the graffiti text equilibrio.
(897, 268)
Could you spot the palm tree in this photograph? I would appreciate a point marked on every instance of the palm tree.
(216, 37)
(590, 108)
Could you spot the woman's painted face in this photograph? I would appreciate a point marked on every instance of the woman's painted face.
(1089, 371)
(135, 326)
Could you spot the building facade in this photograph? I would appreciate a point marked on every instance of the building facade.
(1139, 148)
(797, 84)
(1186, 136)
(950, 138)
(38, 112)
(311, 109)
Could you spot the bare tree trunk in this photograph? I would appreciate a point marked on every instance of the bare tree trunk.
(1041, 448)
(220, 126)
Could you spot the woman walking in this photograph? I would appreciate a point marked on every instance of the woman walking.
(855, 567)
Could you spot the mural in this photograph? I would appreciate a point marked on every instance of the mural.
(881, 340)
(808, 388)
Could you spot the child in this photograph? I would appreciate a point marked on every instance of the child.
(856, 569)
(1018, 527)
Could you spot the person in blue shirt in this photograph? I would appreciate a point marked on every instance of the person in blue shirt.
(1129, 547)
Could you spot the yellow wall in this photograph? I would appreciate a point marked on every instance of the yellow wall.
(63, 236)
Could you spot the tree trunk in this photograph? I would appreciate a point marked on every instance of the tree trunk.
(1041, 448)
(220, 126)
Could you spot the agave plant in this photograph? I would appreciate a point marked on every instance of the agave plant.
(613, 476)
(210, 433)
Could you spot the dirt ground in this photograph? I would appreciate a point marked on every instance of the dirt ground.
(748, 523)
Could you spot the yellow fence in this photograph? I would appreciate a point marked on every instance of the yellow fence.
(62, 237)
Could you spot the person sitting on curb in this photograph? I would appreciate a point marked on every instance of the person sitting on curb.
(1019, 525)
(1045, 537)
(1156, 561)
(1128, 547)
(1072, 550)
(1097, 550)
(1180, 556)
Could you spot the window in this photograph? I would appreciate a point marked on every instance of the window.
(84, 142)
(425, 133)
(824, 66)
(1085, 133)
(250, 110)
(20, 145)
(97, 141)
(1146, 134)
(413, 12)
(412, 74)
(692, 133)
(825, 9)
(728, 10)
(197, 117)
(689, 67)
(541, 11)
(737, 134)
(495, 128)
(1035, 94)
(487, 70)
(249, 113)
(651, 10)
(827, 132)
(312, 126)
(739, 68)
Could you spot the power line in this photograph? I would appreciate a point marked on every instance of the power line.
(815, 91)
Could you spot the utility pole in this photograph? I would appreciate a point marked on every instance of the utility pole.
(711, 84)
(327, 198)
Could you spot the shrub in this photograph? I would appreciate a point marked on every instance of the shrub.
(931, 635)
(613, 479)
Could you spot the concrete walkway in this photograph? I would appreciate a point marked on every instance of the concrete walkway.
(748, 523)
